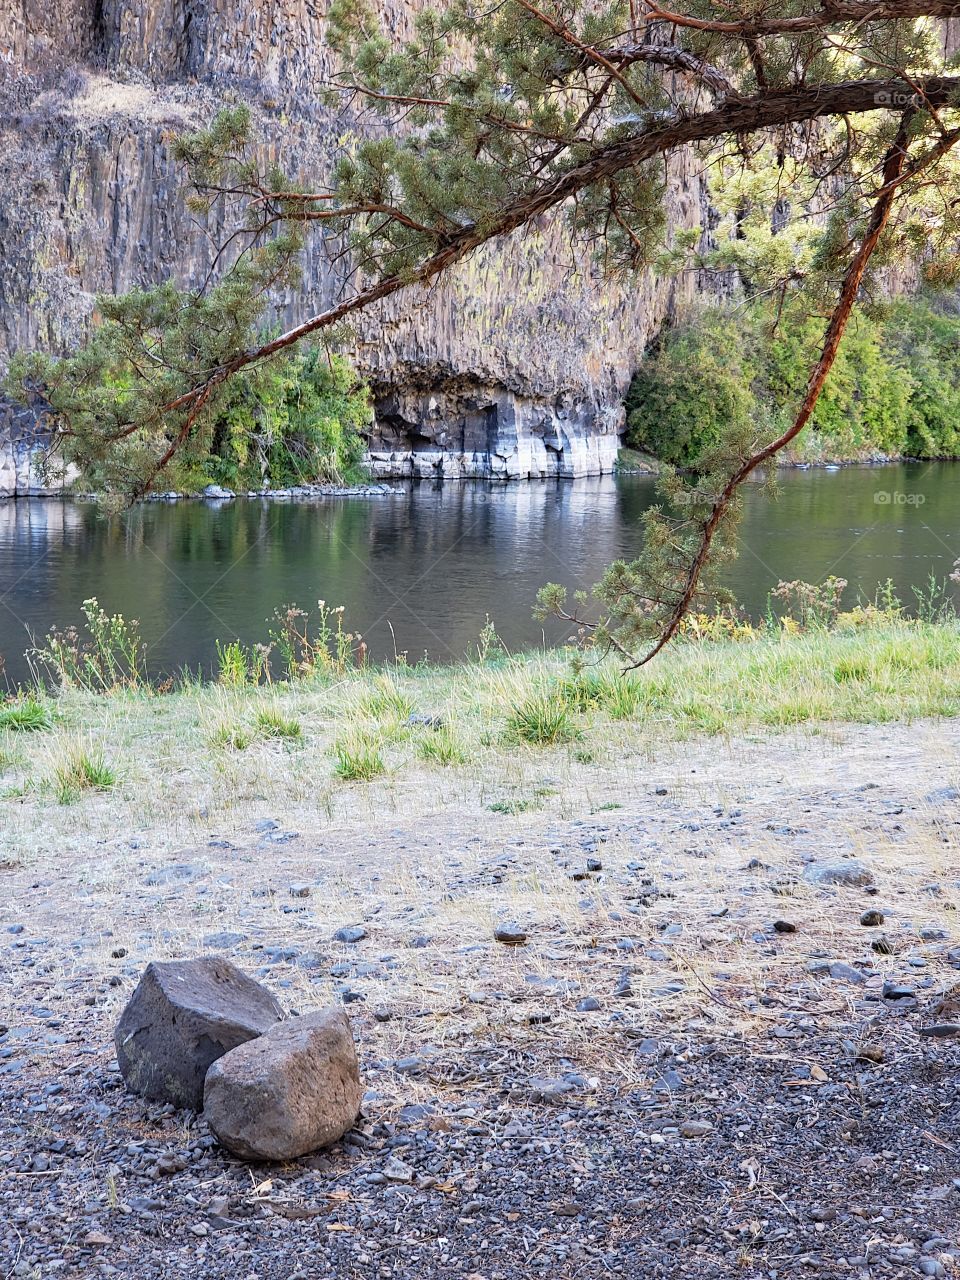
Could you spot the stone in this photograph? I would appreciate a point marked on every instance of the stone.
(350, 933)
(589, 1004)
(184, 1015)
(287, 1093)
(300, 890)
(217, 491)
(784, 926)
(695, 1128)
(898, 991)
(846, 972)
(510, 934)
(396, 1170)
(848, 872)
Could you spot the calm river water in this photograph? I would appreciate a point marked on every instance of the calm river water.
(434, 562)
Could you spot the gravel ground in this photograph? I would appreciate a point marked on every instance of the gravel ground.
(698, 1062)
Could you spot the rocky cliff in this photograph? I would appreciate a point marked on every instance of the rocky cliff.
(515, 365)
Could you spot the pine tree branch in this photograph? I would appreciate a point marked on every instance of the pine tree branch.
(742, 115)
(896, 171)
(831, 13)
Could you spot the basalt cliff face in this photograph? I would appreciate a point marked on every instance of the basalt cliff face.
(514, 365)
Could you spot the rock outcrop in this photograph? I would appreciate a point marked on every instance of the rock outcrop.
(514, 365)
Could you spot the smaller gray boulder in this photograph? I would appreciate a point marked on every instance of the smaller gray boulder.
(291, 1091)
(849, 872)
(184, 1015)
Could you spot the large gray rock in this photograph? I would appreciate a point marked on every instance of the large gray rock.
(291, 1091)
(184, 1015)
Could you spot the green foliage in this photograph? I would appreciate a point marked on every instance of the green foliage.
(684, 398)
(25, 715)
(894, 388)
(294, 421)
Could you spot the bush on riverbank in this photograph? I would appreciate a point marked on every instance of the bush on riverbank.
(298, 421)
(894, 390)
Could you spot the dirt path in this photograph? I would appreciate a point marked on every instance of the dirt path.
(660, 1082)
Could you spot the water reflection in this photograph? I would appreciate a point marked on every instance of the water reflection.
(437, 560)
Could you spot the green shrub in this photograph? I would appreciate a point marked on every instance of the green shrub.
(686, 395)
(894, 388)
(294, 421)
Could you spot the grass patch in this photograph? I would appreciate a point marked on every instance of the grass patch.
(81, 770)
(232, 737)
(26, 715)
(272, 723)
(543, 719)
(358, 757)
(442, 746)
(192, 766)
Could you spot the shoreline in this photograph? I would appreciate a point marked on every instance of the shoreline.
(375, 489)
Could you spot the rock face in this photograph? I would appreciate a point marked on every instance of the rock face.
(22, 452)
(512, 366)
(184, 1015)
(289, 1092)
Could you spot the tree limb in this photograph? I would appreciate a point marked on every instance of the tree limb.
(896, 171)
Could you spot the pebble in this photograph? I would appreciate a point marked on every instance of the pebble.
(396, 1170)
(784, 926)
(695, 1128)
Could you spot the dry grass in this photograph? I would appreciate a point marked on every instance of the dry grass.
(211, 759)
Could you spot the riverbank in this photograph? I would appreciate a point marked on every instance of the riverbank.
(699, 1057)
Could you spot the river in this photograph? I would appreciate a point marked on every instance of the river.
(422, 570)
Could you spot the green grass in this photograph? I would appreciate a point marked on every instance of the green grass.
(25, 715)
(442, 746)
(272, 723)
(81, 770)
(235, 737)
(358, 757)
(199, 759)
(543, 719)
